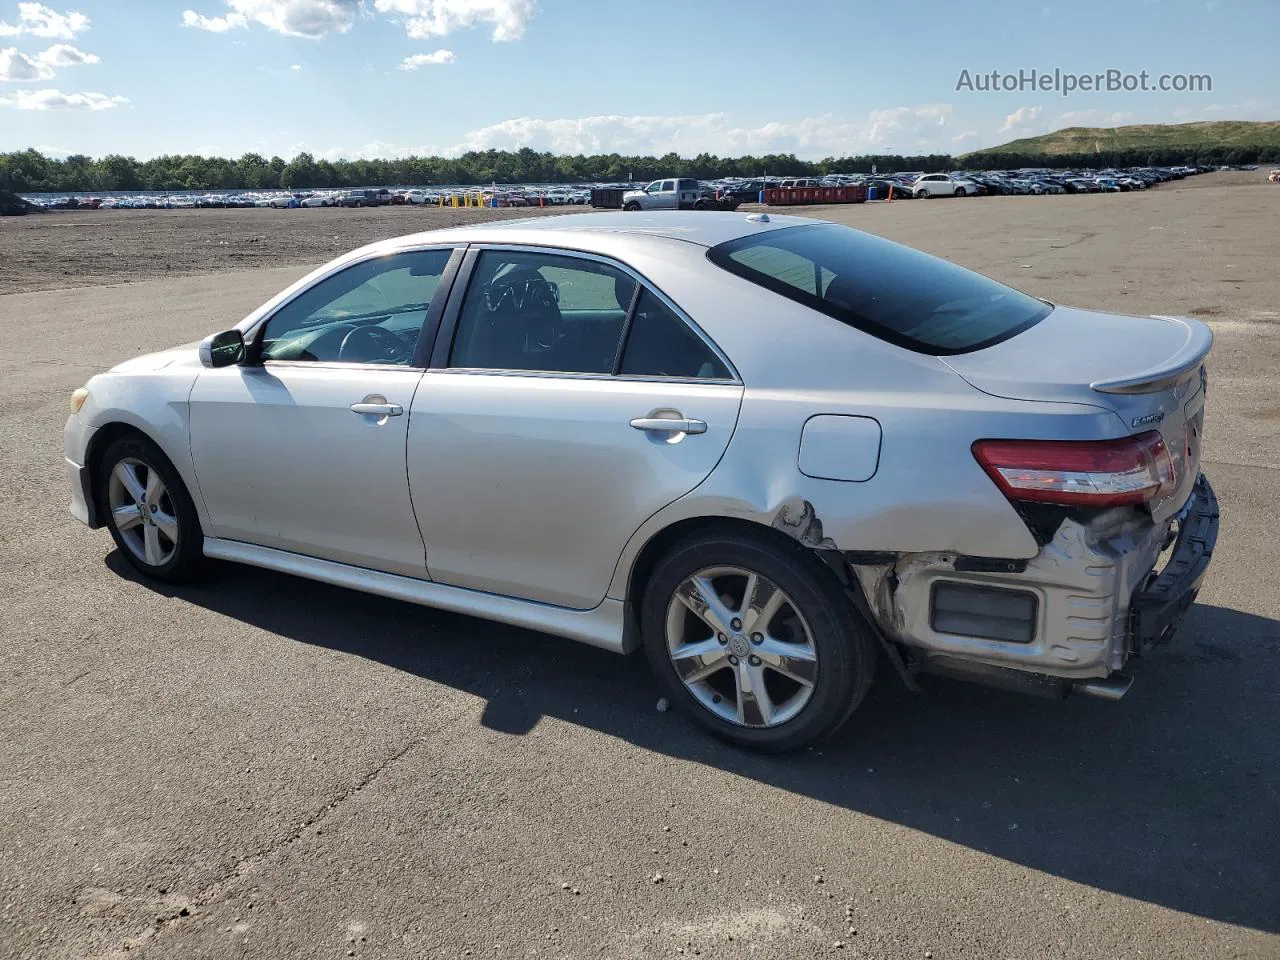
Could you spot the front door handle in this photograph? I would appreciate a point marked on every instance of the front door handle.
(669, 425)
(378, 409)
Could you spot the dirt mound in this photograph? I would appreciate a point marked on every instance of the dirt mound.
(12, 205)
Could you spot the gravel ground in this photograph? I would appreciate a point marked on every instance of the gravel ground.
(258, 766)
(90, 247)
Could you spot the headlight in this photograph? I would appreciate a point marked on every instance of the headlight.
(78, 398)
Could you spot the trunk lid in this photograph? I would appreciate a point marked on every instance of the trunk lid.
(1149, 371)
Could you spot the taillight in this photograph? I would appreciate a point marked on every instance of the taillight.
(1096, 473)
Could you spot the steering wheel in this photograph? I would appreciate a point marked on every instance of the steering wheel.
(372, 345)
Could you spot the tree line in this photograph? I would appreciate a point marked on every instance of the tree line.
(29, 171)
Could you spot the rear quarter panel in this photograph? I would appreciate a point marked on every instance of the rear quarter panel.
(928, 493)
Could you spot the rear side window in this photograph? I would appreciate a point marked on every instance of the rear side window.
(895, 293)
(660, 344)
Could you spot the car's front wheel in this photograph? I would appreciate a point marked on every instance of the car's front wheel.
(631, 207)
(960, 191)
(148, 510)
(757, 641)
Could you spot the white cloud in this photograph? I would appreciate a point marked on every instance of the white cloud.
(913, 127)
(17, 67)
(1021, 120)
(427, 59)
(436, 18)
(213, 24)
(57, 100)
(1253, 109)
(40, 21)
(907, 130)
(312, 19)
(295, 67)
(968, 136)
(65, 55)
(1076, 118)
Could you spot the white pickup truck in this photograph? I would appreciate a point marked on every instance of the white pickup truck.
(675, 193)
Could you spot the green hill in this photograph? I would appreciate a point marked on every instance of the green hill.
(1211, 135)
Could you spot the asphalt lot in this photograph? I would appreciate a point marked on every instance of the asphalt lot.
(260, 766)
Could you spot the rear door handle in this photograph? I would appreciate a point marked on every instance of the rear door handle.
(378, 409)
(669, 425)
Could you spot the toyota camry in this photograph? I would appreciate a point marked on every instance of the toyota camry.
(772, 452)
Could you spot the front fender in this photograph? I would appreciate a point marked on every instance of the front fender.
(155, 403)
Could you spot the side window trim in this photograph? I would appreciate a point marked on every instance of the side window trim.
(449, 322)
(253, 335)
(625, 335)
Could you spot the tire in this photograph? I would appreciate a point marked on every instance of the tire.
(960, 192)
(149, 545)
(631, 207)
(813, 632)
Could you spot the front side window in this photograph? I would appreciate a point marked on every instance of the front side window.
(668, 185)
(371, 312)
(893, 292)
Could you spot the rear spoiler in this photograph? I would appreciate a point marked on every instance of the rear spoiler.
(1197, 346)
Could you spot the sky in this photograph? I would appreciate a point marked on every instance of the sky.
(383, 78)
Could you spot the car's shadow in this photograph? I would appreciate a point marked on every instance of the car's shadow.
(1170, 796)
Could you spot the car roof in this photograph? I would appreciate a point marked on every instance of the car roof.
(600, 232)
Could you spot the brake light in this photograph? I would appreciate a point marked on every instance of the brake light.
(1096, 473)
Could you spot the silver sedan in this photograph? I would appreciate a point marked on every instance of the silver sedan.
(773, 452)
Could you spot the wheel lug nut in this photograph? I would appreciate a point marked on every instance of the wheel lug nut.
(722, 638)
(716, 698)
(737, 624)
(733, 660)
(757, 638)
(753, 660)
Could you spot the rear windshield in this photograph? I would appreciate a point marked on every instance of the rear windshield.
(892, 292)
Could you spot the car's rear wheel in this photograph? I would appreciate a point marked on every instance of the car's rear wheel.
(757, 641)
(148, 510)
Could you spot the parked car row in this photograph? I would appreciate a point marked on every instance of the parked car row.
(717, 194)
(369, 197)
(963, 183)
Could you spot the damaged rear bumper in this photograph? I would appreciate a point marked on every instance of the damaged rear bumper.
(1076, 613)
(1158, 609)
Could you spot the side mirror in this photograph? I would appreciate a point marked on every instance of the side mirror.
(222, 349)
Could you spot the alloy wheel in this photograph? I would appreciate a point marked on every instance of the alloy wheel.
(741, 647)
(143, 511)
